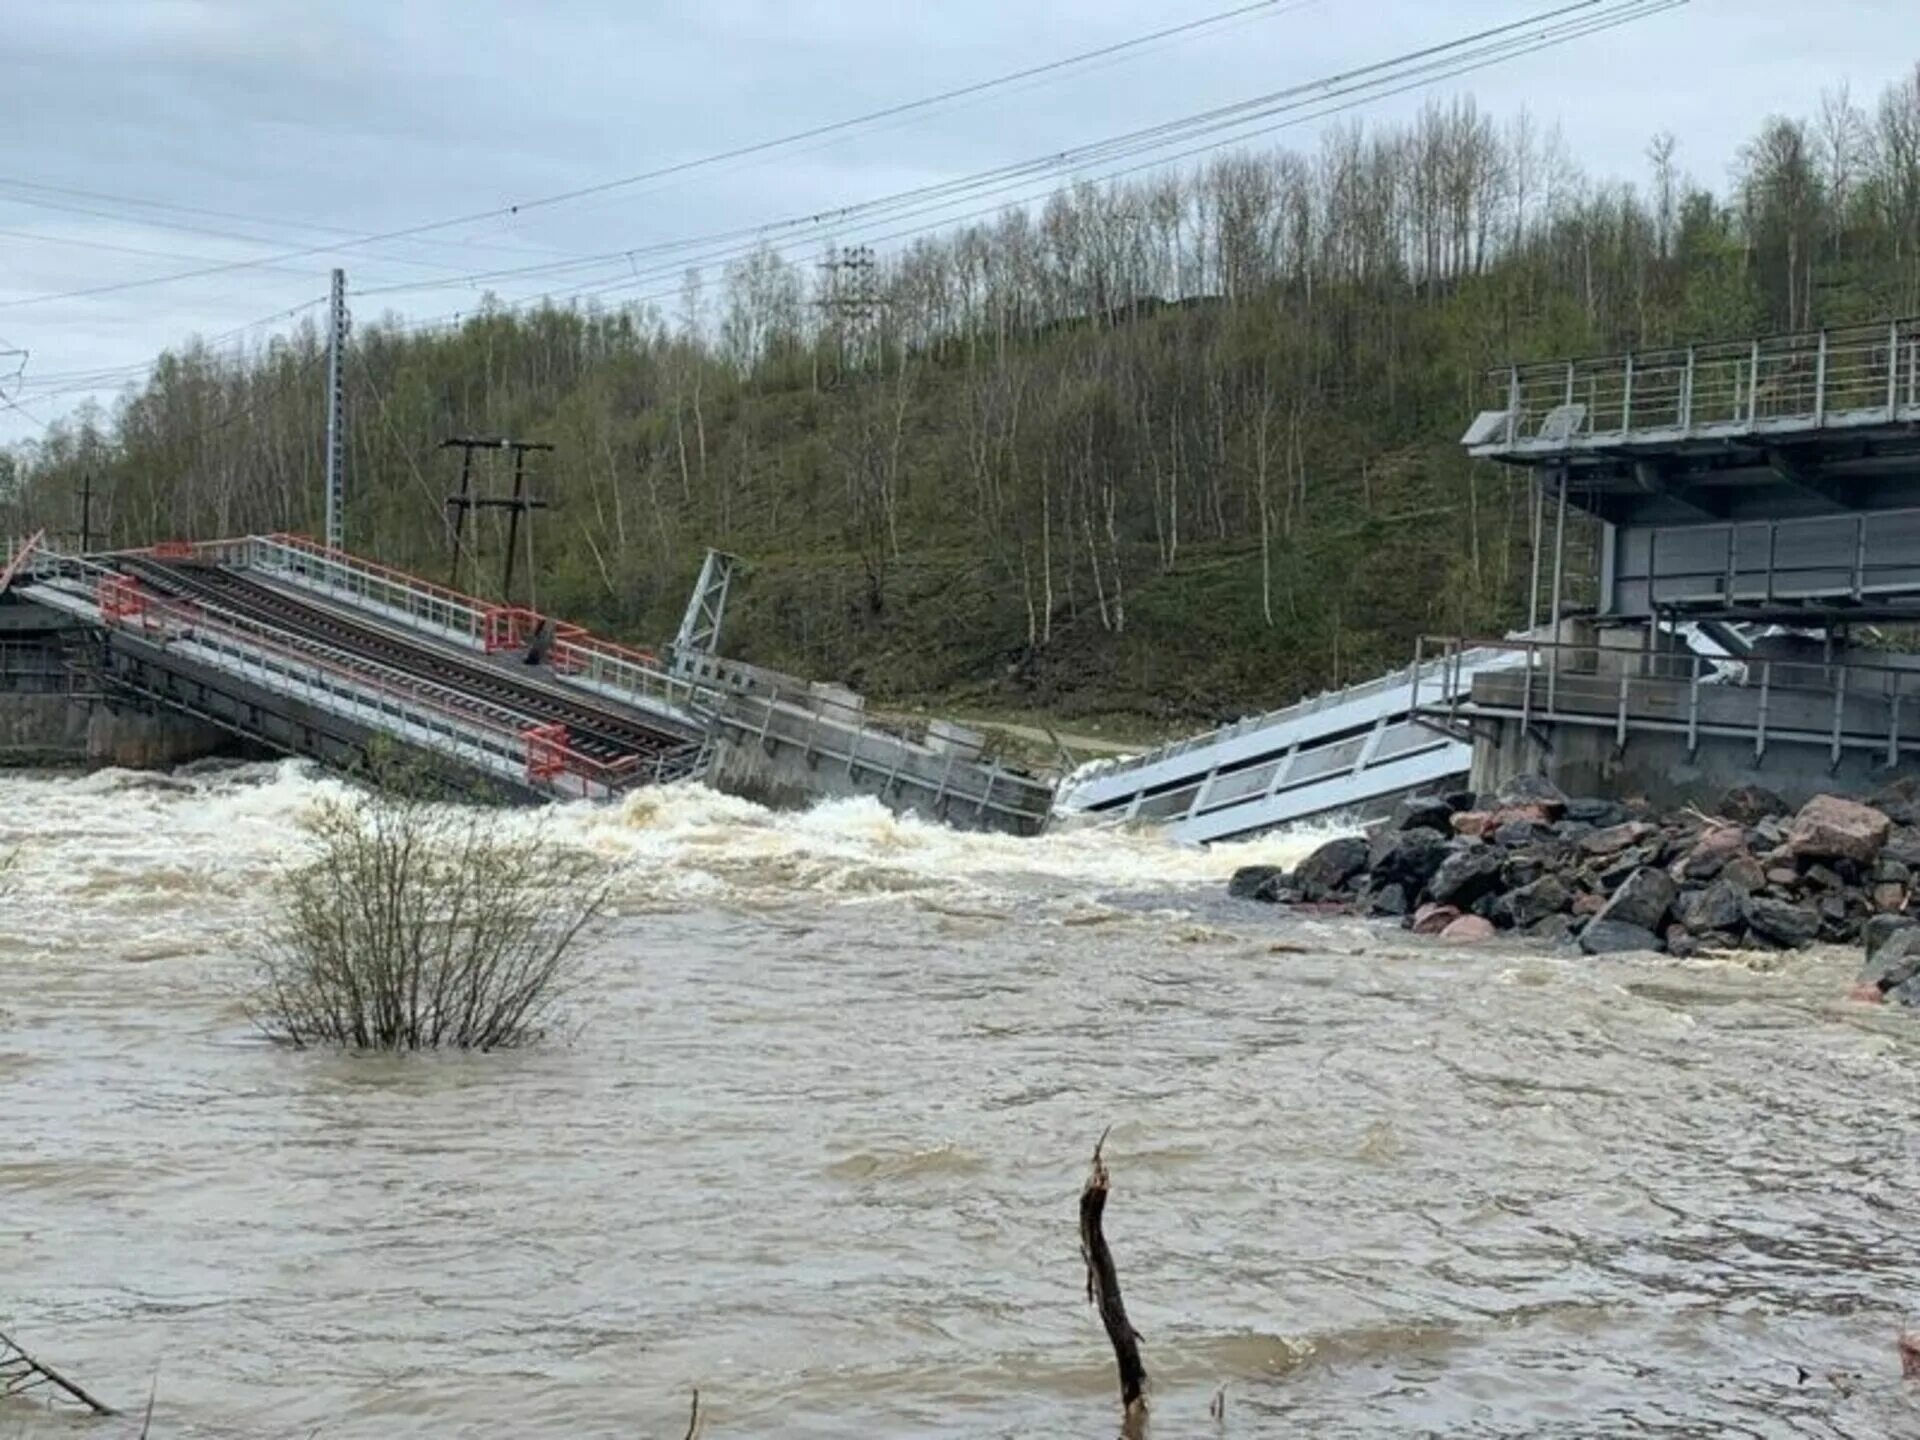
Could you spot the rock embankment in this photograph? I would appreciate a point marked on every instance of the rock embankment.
(1613, 877)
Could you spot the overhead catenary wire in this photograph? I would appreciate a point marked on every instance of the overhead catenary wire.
(1227, 125)
(1567, 22)
(540, 202)
(47, 386)
(1315, 107)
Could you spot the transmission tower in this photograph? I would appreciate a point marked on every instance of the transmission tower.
(850, 299)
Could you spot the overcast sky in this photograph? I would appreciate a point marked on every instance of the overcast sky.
(321, 122)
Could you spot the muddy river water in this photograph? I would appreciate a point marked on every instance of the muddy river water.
(814, 1139)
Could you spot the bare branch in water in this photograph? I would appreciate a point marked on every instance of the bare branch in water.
(1103, 1291)
(20, 1374)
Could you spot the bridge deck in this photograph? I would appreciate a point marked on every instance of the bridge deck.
(312, 678)
(599, 730)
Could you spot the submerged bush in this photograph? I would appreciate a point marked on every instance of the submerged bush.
(418, 925)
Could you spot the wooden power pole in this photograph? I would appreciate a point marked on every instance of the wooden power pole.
(517, 504)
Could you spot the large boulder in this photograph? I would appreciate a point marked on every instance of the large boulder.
(1596, 813)
(1616, 937)
(1745, 872)
(1424, 812)
(1721, 906)
(1615, 838)
(1882, 928)
(1642, 900)
(1554, 930)
(1711, 853)
(1253, 882)
(1781, 922)
(1408, 858)
(1466, 929)
(1903, 844)
(1894, 962)
(1527, 790)
(1467, 873)
(1898, 800)
(1525, 866)
(1388, 900)
(1829, 827)
(1327, 870)
(1431, 919)
(1750, 804)
(1530, 904)
(1614, 871)
(1517, 834)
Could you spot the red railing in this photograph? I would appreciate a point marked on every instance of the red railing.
(547, 751)
(120, 598)
(550, 760)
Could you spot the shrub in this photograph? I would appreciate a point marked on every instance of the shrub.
(417, 925)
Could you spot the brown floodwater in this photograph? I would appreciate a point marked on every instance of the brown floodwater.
(813, 1140)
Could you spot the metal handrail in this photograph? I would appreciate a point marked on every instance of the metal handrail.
(1840, 376)
(1769, 677)
(1004, 790)
(1732, 577)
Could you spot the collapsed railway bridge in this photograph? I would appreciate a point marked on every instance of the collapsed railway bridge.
(317, 653)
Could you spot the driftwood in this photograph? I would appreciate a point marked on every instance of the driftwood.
(1103, 1292)
(21, 1374)
(693, 1420)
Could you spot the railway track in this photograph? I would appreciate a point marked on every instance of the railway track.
(595, 732)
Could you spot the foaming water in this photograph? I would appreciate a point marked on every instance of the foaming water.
(814, 1142)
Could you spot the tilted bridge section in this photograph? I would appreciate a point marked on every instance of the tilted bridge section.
(318, 653)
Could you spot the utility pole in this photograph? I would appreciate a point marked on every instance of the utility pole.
(336, 412)
(517, 504)
(86, 513)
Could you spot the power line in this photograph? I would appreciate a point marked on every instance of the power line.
(236, 237)
(8, 182)
(1312, 101)
(38, 237)
(681, 167)
(73, 381)
(1302, 104)
(1575, 17)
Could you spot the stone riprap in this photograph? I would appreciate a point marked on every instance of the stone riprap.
(1613, 877)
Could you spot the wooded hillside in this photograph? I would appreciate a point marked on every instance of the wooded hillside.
(1181, 447)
